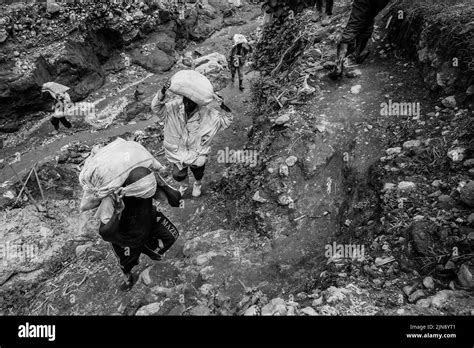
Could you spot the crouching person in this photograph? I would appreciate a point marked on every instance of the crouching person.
(130, 222)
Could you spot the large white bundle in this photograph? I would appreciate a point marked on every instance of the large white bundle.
(240, 39)
(193, 85)
(107, 169)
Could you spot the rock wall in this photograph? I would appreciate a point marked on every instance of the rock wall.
(77, 45)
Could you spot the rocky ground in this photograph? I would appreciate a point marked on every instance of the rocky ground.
(332, 168)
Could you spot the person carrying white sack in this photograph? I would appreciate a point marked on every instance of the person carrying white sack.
(190, 124)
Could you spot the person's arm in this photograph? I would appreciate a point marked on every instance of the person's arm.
(109, 224)
(158, 104)
(107, 231)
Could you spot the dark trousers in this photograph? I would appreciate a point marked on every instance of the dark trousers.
(55, 121)
(181, 175)
(329, 6)
(162, 238)
(360, 26)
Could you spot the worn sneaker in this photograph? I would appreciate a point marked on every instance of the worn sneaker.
(196, 189)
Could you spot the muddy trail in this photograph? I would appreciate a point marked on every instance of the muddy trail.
(240, 251)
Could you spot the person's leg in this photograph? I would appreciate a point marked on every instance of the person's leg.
(232, 72)
(65, 122)
(128, 258)
(241, 77)
(182, 177)
(198, 173)
(356, 23)
(319, 6)
(329, 7)
(55, 123)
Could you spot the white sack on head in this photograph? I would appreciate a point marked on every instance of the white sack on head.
(105, 171)
(193, 85)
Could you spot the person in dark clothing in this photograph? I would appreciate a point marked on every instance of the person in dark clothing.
(357, 33)
(136, 227)
(325, 19)
(237, 58)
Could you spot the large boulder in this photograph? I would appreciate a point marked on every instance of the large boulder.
(156, 61)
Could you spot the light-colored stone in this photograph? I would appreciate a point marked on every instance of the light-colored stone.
(440, 299)
(281, 120)
(418, 294)
(411, 144)
(149, 309)
(393, 151)
(251, 311)
(406, 186)
(457, 154)
(356, 89)
(291, 161)
(317, 302)
(309, 311)
(428, 283)
(465, 276)
(449, 102)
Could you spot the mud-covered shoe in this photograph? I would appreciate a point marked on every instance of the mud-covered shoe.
(197, 189)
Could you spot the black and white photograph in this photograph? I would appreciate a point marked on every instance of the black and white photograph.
(164, 160)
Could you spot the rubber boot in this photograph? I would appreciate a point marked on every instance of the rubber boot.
(361, 53)
(241, 85)
(341, 55)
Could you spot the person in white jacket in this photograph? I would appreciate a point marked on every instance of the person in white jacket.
(188, 132)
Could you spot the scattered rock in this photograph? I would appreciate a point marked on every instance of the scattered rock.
(251, 311)
(205, 289)
(467, 194)
(393, 151)
(317, 302)
(465, 276)
(416, 296)
(200, 311)
(470, 219)
(52, 7)
(440, 299)
(354, 73)
(449, 102)
(334, 294)
(469, 163)
(408, 289)
(281, 120)
(388, 187)
(309, 311)
(321, 128)
(291, 161)
(149, 309)
(456, 154)
(145, 276)
(428, 283)
(82, 249)
(356, 89)
(411, 144)
(424, 303)
(284, 172)
(406, 186)
(257, 198)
